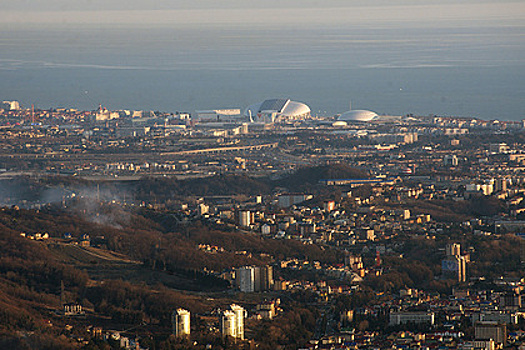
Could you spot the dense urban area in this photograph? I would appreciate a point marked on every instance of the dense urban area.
(268, 228)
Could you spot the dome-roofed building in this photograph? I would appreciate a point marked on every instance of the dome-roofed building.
(357, 115)
(276, 110)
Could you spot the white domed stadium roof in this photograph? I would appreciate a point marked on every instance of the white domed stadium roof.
(357, 115)
(272, 110)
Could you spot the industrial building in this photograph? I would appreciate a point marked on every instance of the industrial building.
(491, 331)
(397, 318)
(218, 115)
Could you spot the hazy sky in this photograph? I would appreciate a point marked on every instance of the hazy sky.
(269, 12)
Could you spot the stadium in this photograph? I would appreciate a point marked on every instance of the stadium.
(357, 115)
(277, 110)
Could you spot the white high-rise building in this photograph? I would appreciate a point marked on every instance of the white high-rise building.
(265, 280)
(450, 160)
(232, 322)
(239, 320)
(203, 209)
(245, 278)
(455, 263)
(227, 321)
(453, 249)
(245, 218)
(181, 323)
(254, 278)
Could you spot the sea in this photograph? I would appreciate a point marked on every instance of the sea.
(466, 70)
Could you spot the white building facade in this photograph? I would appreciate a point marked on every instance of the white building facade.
(181, 323)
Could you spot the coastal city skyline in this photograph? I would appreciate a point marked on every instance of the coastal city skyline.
(271, 175)
(398, 57)
(266, 227)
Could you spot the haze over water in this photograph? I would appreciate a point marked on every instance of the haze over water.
(451, 66)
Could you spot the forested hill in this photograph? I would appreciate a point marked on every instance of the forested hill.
(218, 185)
(54, 189)
(140, 256)
(303, 179)
(307, 177)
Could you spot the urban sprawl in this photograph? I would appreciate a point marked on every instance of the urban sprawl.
(269, 227)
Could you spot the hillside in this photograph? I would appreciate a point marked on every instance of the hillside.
(307, 177)
(54, 189)
(143, 259)
(32, 273)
